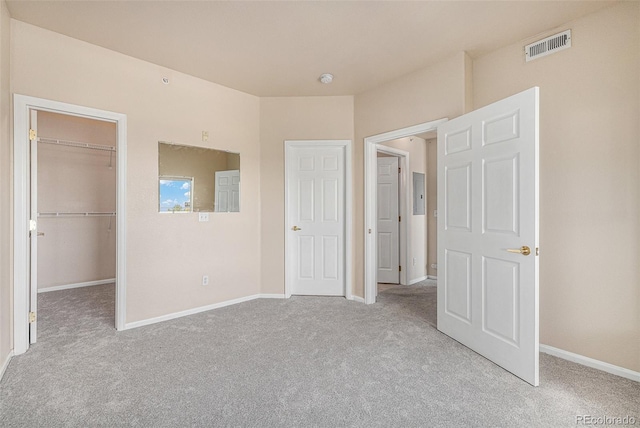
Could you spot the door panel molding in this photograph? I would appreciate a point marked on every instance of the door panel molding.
(329, 165)
(21, 194)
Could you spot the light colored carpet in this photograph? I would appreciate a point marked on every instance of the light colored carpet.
(302, 362)
(419, 299)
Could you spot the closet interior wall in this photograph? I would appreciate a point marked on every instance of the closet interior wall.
(79, 245)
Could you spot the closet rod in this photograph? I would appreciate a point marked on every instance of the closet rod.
(87, 214)
(76, 144)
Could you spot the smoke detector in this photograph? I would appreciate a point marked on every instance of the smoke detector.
(326, 78)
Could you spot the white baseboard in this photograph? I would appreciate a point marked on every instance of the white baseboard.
(187, 312)
(432, 277)
(77, 285)
(590, 362)
(5, 364)
(422, 278)
(271, 296)
(357, 299)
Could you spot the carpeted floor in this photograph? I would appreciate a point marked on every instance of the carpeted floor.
(301, 362)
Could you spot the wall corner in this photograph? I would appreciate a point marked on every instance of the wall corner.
(468, 83)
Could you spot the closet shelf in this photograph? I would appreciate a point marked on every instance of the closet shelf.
(86, 214)
(76, 144)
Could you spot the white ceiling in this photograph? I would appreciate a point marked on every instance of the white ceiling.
(272, 48)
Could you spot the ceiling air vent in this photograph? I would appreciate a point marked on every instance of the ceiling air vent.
(547, 46)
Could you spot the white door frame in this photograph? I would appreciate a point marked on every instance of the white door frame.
(21, 160)
(348, 203)
(404, 207)
(370, 196)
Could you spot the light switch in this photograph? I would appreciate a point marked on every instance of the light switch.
(203, 216)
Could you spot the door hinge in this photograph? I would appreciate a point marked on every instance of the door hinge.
(537, 251)
(400, 268)
(399, 170)
(369, 231)
(32, 134)
(399, 218)
(32, 317)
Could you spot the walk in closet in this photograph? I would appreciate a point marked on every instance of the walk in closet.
(76, 201)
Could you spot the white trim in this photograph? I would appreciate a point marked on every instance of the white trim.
(415, 281)
(272, 296)
(357, 299)
(20, 226)
(590, 362)
(370, 189)
(5, 364)
(348, 208)
(432, 277)
(192, 311)
(404, 205)
(76, 285)
(21, 106)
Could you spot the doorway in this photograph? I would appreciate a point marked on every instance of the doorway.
(388, 219)
(488, 190)
(26, 218)
(372, 146)
(393, 207)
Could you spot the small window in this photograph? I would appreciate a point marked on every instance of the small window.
(176, 194)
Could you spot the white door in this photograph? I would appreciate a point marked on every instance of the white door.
(227, 191)
(488, 232)
(33, 226)
(316, 220)
(388, 221)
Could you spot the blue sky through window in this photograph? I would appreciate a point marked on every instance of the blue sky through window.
(175, 194)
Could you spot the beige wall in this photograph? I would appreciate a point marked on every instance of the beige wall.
(303, 118)
(417, 149)
(6, 192)
(166, 254)
(75, 249)
(429, 94)
(589, 180)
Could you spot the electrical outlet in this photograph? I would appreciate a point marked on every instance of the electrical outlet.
(205, 135)
(435, 213)
(414, 261)
(205, 279)
(203, 216)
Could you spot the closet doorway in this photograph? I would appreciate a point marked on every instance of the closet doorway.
(69, 187)
(73, 198)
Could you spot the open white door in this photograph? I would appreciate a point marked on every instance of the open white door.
(488, 232)
(388, 221)
(33, 226)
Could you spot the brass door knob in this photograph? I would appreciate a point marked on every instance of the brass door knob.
(524, 250)
(295, 228)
